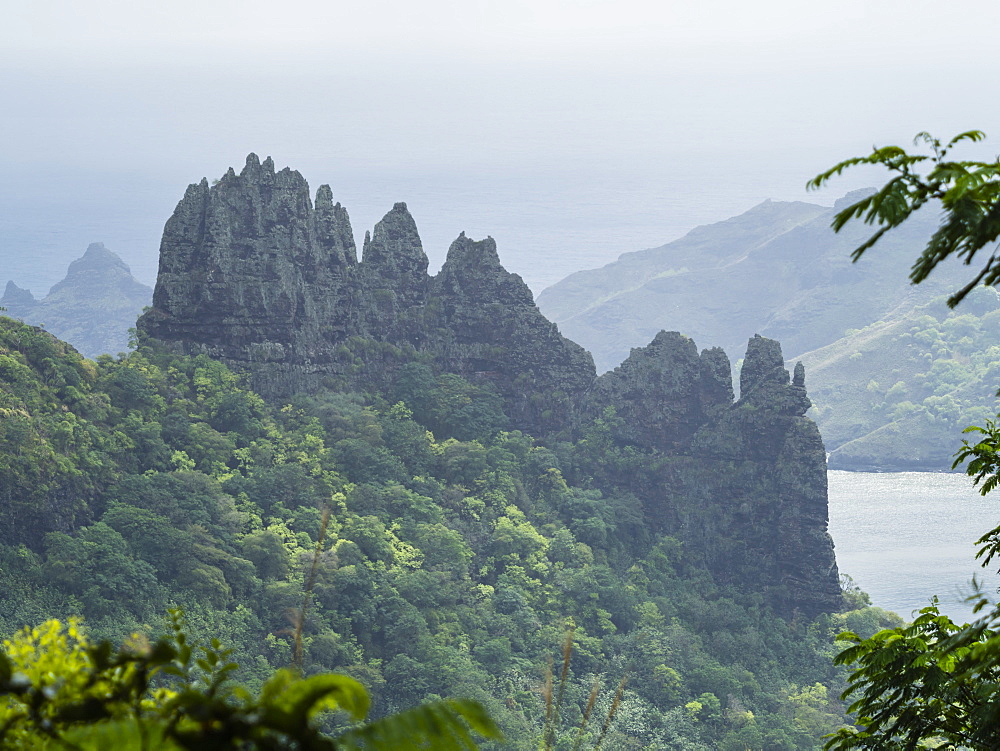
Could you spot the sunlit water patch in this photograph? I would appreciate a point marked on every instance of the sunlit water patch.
(905, 536)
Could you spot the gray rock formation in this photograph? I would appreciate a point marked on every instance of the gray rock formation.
(764, 380)
(779, 481)
(15, 298)
(253, 273)
(93, 308)
(490, 329)
(743, 484)
(658, 393)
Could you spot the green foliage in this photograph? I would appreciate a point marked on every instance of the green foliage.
(96, 565)
(447, 404)
(932, 680)
(981, 458)
(438, 725)
(896, 392)
(63, 691)
(967, 191)
(554, 695)
(454, 550)
(933, 683)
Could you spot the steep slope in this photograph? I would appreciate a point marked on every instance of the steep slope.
(744, 483)
(93, 308)
(777, 269)
(896, 394)
(448, 567)
(485, 489)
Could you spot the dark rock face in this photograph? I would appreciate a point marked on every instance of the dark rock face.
(392, 282)
(93, 308)
(657, 392)
(743, 484)
(780, 481)
(252, 272)
(490, 330)
(764, 380)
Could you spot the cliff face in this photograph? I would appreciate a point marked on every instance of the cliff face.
(664, 392)
(253, 273)
(256, 274)
(743, 483)
(490, 329)
(782, 454)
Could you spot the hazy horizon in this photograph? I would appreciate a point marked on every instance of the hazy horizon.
(569, 132)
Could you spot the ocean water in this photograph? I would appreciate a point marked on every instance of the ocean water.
(906, 536)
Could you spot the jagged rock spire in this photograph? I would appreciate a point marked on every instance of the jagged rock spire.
(498, 335)
(394, 257)
(252, 272)
(657, 392)
(473, 273)
(16, 297)
(333, 229)
(764, 380)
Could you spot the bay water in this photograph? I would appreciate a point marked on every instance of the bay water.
(906, 536)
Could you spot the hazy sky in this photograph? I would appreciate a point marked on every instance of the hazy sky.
(571, 131)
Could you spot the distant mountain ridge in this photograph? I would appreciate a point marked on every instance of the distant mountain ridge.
(92, 308)
(894, 375)
(777, 270)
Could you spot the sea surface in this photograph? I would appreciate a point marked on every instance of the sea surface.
(906, 536)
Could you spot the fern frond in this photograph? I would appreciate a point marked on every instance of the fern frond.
(442, 725)
(969, 135)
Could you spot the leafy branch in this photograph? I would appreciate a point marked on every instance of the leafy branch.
(967, 191)
(177, 695)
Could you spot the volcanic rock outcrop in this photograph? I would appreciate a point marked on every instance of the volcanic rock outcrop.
(665, 392)
(744, 483)
(255, 273)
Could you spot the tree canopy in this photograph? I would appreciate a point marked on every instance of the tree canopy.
(451, 562)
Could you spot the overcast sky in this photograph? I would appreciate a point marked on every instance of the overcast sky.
(571, 131)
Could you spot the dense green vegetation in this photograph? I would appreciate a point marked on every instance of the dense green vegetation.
(898, 392)
(453, 562)
(62, 691)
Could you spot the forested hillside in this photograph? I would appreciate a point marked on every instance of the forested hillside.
(455, 555)
(897, 393)
(430, 479)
